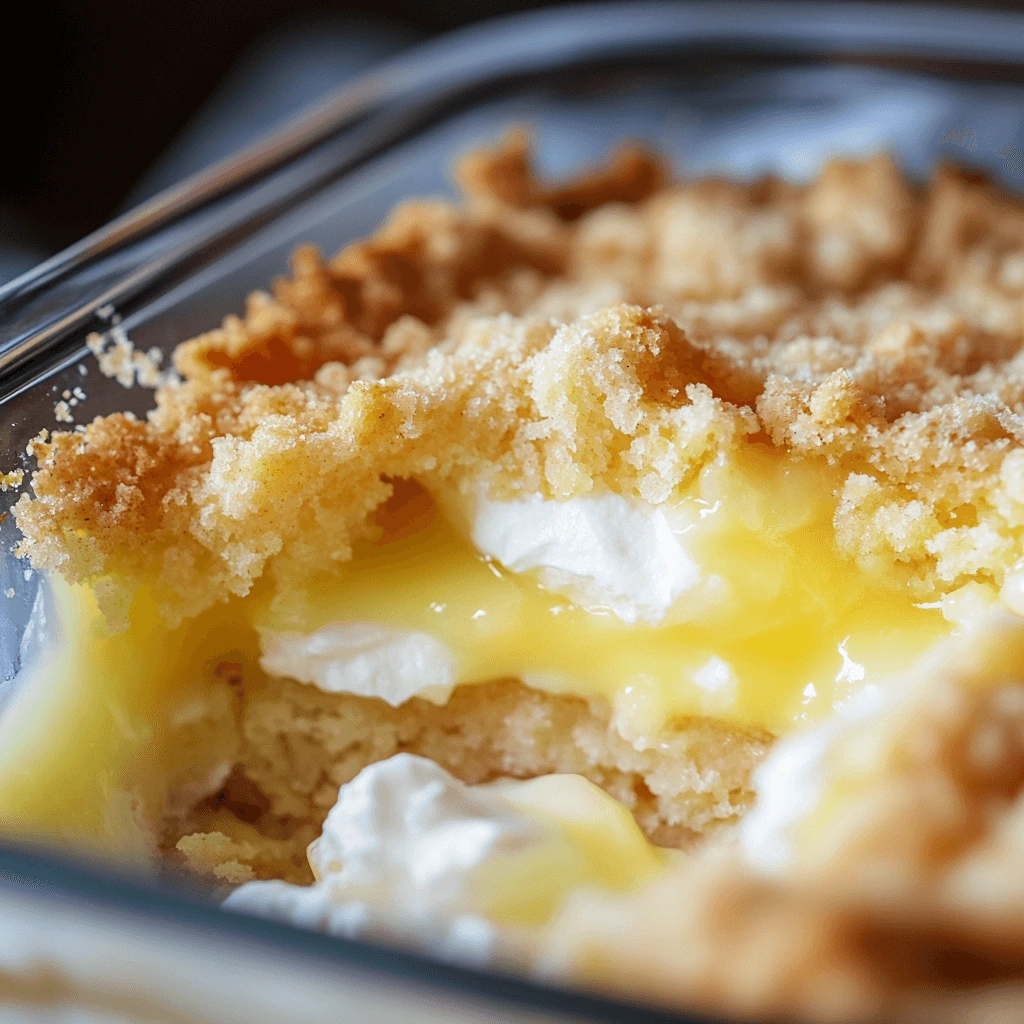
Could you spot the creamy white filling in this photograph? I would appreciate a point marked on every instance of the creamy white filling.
(363, 658)
(603, 551)
(400, 856)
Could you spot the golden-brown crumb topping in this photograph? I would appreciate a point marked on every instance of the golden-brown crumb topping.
(614, 333)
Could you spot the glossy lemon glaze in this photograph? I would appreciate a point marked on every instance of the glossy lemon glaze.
(105, 725)
(598, 843)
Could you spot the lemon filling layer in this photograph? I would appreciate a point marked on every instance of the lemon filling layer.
(104, 726)
(772, 628)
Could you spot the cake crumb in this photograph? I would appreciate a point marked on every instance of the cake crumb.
(118, 358)
(213, 853)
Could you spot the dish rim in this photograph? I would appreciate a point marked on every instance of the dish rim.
(468, 59)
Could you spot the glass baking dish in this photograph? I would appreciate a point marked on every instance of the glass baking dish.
(731, 89)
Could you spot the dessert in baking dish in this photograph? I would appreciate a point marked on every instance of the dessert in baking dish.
(622, 578)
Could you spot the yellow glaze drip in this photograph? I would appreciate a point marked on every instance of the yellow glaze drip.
(104, 726)
(597, 843)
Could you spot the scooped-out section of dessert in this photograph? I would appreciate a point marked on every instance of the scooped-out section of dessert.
(617, 581)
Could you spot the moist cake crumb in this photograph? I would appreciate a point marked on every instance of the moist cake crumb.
(300, 744)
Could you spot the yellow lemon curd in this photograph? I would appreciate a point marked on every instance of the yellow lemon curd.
(597, 843)
(102, 724)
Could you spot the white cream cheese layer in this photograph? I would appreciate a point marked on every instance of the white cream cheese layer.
(412, 854)
(603, 551)
(363, 658)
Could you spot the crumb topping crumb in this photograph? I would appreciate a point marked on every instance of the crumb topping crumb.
(11, 481)
(616, 332)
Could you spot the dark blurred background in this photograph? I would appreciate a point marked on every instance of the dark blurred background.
(108, 101)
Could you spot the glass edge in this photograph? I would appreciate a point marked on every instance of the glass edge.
(475, 54)
(93, 884)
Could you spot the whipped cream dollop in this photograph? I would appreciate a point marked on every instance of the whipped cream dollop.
(603, 551)
(409, 853)
(401, 854)
(363, 658)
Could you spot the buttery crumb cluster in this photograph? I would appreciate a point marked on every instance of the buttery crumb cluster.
(621, 333)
